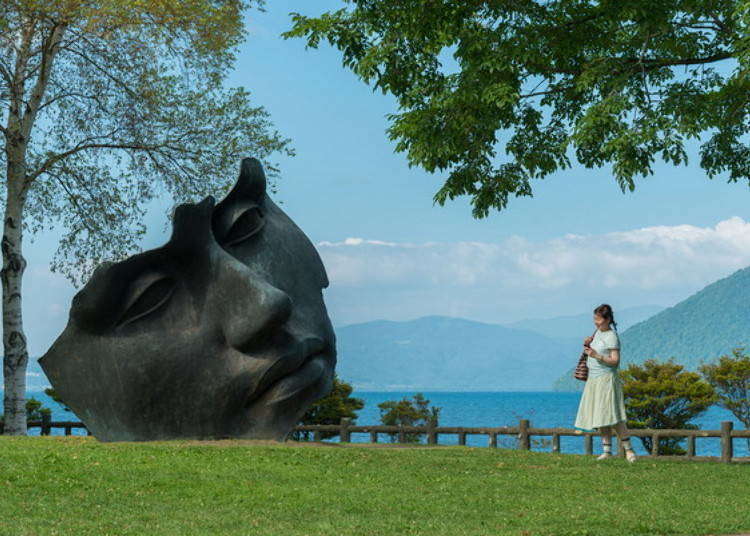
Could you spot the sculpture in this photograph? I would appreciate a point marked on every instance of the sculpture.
(222, 332)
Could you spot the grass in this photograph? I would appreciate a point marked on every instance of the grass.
(78, 485)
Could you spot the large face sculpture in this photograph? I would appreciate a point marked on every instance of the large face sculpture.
(220, 332)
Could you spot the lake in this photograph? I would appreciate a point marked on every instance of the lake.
(542, 408)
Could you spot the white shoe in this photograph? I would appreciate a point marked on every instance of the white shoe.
(630, 455)
(604, 456)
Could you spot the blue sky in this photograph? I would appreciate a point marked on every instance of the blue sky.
(391, 254)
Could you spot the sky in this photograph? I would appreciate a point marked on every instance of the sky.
(392, 254)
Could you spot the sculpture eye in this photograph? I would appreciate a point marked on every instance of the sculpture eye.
(247, 224)
(153, 297)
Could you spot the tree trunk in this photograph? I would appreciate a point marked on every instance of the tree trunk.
(15, 356)
(21, 119)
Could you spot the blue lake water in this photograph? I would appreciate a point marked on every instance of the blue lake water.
(542, 408)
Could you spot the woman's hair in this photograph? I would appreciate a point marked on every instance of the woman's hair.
(605, 311)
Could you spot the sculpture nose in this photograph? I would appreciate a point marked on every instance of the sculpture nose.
(253, 309)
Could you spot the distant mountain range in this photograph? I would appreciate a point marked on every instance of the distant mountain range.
(443, 353)
(562, 327)
(699, 329)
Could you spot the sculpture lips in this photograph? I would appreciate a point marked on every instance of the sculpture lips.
(308, 374)
(296, 364)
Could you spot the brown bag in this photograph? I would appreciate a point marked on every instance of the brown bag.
(582, 369)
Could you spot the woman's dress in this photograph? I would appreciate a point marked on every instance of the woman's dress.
(602, 402)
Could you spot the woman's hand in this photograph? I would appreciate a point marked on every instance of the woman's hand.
(590, 352)
(588, 340)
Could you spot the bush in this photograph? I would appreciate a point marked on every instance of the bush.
(331, 409)
(663, 395)
(405, 412)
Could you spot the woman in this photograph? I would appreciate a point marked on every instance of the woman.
(602, 404)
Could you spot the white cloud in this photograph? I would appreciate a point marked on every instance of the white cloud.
(645, 265)
(642, 258)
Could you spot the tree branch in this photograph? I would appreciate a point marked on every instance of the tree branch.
(51, 161)
(655, 63)
(48, 55)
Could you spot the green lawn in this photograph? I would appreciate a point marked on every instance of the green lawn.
(78, 485)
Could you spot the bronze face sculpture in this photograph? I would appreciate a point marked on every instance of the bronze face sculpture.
(222, 332)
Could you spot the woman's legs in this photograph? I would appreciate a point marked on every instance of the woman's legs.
(623, 435)
(606, 433)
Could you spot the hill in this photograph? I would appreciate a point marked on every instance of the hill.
(561, 327)
(698, 329)
(444, 353)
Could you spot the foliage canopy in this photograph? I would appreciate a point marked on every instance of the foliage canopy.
(106, 104)
(604, 82)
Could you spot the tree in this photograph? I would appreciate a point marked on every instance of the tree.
(34, 411)
(730, 378)
(406, 412)
(331, 409)
(603, 82)
(663, 395)
(105, 105)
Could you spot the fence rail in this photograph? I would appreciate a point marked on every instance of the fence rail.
(523, 432)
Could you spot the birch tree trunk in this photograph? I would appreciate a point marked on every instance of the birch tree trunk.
(21, 117)
(15, 356)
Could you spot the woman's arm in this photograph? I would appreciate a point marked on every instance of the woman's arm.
(613, 359)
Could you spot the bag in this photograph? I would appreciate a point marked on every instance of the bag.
(582, 369)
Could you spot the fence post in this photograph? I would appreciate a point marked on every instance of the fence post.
(431, 434)
(691, 446)
(492, 439)
(401, 434)
(588, 444)
(523, 434)
(726, 441)
(373, 436)
(344, 431)
(46, 418)
(654, 444)
(555, 442)
(462, 438)
(316, 435)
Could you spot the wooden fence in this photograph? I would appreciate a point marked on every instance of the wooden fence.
(523, 432)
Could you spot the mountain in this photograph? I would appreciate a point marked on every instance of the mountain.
(701, 328)
(443, 353)
(566, 327)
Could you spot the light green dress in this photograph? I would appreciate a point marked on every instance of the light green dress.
(602, 402)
